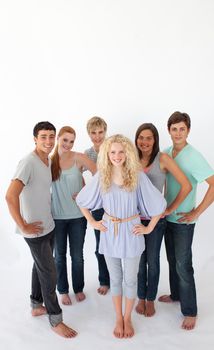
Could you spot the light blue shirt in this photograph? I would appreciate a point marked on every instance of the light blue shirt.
(145, 200)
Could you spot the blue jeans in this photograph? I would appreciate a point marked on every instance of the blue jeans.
(74, 231)
(103, 274)
(149, 267)
(43, 287)
(178, 241)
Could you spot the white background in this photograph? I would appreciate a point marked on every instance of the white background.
(129, 61)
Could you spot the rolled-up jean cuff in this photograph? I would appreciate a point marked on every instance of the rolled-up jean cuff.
(55, 319)
(35, 304)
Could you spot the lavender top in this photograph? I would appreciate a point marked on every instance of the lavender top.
(146, 200)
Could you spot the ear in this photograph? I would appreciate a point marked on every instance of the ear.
(35, 140)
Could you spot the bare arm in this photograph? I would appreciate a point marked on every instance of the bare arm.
(98, 225)
(169, 165)
(85, 162)
(145, 230)
(205, 203)
(12, 198)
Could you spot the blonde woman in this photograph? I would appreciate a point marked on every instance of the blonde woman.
(70, 224)
(125, 193)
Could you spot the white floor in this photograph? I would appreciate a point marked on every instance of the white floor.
(94, 318)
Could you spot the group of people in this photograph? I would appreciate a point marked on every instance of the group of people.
(136, 196)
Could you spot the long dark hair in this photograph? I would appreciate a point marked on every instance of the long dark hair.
(156, 147)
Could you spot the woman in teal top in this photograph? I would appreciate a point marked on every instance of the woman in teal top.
(69, 221)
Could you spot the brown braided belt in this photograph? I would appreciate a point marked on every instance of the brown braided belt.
(117, 221)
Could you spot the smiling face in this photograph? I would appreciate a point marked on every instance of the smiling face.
(45, 141)
(97, 137)
(145, 142)
(116, 154)
(65, 142)
(179, 133)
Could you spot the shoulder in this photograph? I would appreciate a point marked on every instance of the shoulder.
(194, 155)
(27, 160)
(79, 155)
(167, 150)
(89, 150)
(142, 176)
(193, 151)
(164, 158)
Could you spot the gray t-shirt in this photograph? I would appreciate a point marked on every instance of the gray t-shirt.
(91, 154)
(35, 198)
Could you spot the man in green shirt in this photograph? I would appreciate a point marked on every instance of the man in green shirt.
(181, 223)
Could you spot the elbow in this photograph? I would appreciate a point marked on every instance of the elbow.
(8, 199)
(189, 188)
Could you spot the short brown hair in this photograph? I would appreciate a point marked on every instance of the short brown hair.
(96, 122)
(178, 117)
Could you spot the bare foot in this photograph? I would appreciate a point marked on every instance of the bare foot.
(141, 307)
(118, 330)
(128, 329)
(39, 311)
(103, 290)
(150, 308)
(64, 331)
(80, 296)
(65, 299)
(165, 299)
(188, 323)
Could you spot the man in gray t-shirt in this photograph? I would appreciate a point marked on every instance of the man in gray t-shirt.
(97, 128)
(29, 201)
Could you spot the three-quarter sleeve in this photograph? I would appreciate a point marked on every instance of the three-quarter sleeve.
(151, 202)
(90, 195)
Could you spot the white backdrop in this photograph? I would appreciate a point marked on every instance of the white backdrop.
(129, 61)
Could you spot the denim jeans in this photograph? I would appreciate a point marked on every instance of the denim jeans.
(43, 286)
(149, 267)
(103, 274)
(178, 241)
(72, 230)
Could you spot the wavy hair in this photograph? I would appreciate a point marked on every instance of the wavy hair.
(130, 167)
(55, 166)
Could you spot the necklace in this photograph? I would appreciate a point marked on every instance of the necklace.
(43, 159)
(175, 152)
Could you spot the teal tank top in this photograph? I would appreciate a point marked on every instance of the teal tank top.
(69, 183)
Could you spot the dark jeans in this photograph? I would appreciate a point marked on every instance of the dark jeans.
(44, 277)
(178, 241)
(74, 231)
(149, 267)
(103, 274)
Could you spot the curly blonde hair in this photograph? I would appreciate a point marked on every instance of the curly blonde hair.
(130, 167)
